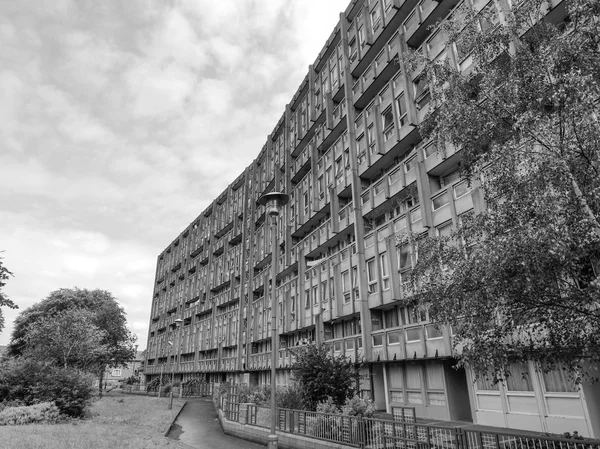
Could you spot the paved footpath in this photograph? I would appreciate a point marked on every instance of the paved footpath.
(198, 426)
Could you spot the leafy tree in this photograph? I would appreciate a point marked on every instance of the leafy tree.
(519, 280)
(105, 313)
(69, 338)
(321, 375)
(4, 300)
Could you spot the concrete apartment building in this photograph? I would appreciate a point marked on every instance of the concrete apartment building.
(360, 179)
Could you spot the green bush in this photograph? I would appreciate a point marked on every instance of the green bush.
(291, 397)
(357, 406)
(45, 412)
(32, 382)
(322, 375)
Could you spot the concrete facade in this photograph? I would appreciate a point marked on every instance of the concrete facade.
(361, 183)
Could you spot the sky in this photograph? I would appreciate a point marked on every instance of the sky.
(121, 121)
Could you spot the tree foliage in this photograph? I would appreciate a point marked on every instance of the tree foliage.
(321, 375)
(4, 300)
(69, 338)
(98, 308)
(519, 280)
(28, 381)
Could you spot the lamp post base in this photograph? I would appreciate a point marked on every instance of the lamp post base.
(171, 399)
(273, 442)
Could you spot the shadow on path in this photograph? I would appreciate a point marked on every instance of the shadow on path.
(198, 426)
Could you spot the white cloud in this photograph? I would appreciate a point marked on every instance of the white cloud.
(121, 121)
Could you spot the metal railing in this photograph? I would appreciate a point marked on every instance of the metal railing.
(323, 426)
(403, 432)
(480, 439)
(197, 389)
(380, 434)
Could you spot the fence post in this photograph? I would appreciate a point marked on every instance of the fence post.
(361, 432)
(292, 421)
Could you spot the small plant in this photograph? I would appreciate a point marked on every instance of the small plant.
(328, 406)
(45, 412)
(357, 406)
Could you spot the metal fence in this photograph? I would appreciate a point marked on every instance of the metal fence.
(323, 426)
(479, 439)
(197, 389)
(403, 432)
(383, 434)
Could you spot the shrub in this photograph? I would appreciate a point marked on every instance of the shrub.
(291, 397)
(357, 406)
(321, 375)
(32, 382)
(328, 406)
(45, 412)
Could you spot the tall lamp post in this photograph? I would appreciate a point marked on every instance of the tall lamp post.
(178, 322)
(273, 203)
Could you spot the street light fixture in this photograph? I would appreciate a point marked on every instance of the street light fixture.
(273, 203)
(177, 323)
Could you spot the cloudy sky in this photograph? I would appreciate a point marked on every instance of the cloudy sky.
(121, 120)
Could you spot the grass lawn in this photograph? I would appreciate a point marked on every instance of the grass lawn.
(118, 421)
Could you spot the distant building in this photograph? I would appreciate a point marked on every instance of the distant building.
(361, 180)
(116, 376)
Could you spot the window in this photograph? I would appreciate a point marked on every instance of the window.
(400, 224)
(371, 276)
(376, 18)
(388, 124)
(519, 379)
(429, 149)
(315, 295)
(385, 274)
(440, 201)
(353, 50)
(346, 286)
(333, 76)
(361, 36)
(421, 91)
(378, 340)
(393, 338)
(371, 139)
(433, 331)
(307, 298)
(391, 318)
(558, 380)
(402, 111)
(445, 229)
(116, 373)
(415, 215)
(306, 203)
(487, 383)
(413, 334)
(395, 175)
(461, 189)
(376, 322)
(404, 257)
(355, 283)
(361, 149)
(410, 164)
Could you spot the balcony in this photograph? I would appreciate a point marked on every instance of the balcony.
(415, 341)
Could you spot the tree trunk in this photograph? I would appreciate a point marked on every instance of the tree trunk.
(100, 380)
(582, 200)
